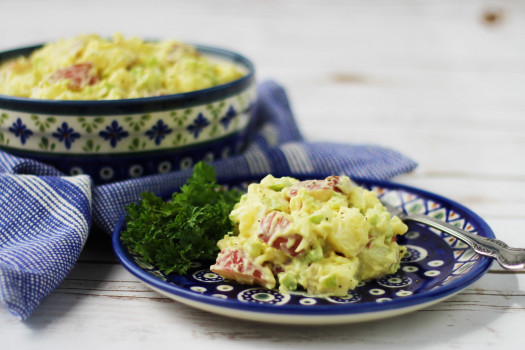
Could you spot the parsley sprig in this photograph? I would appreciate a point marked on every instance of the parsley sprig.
(170, 235)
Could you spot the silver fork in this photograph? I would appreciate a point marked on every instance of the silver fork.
(509, 258)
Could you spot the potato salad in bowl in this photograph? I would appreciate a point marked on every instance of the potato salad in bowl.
(323, 236)
(90, 67)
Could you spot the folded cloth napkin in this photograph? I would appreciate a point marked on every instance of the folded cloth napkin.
(45, 217)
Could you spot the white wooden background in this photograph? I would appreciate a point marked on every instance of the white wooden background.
(441, 81)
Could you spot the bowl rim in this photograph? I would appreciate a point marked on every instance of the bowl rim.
(132, 105)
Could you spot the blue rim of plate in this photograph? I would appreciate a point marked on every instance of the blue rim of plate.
(410, 302)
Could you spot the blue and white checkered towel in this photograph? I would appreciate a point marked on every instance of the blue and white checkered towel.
(45, 217)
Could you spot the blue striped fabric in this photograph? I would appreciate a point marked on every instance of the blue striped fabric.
(45, 217)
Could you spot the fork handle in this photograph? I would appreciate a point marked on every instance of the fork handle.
(509, 258)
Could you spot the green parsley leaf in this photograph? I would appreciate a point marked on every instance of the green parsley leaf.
(170, 235)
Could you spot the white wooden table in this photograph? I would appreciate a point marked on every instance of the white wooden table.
(441, 81)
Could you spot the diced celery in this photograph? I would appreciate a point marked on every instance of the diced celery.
(137, 70)
(288, 280)
(395, 267)
(253, 247)
(314, 255)
(329, 281)
(280, 184)
(152, 61)
(276, 187)
(316, 218)
(373, 220)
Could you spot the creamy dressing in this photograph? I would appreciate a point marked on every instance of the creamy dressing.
(88, 67)
(324, 236)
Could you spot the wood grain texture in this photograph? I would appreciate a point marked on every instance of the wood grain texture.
(118, 307)
(441, 81)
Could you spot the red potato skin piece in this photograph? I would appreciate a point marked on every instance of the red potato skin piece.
(281, 243)
(273, 223)
(237, 265)
(79, 75)
(318, 188)
(333, 181)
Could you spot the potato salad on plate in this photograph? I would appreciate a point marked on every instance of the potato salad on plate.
(323, 236)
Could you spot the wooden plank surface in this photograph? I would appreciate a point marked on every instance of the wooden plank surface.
(107, 302)
(441, 81)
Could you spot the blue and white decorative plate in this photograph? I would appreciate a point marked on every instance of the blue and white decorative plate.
(436, 267)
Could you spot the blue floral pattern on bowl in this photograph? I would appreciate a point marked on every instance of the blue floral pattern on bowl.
(114, 133)
(66, 134)
(158, 132)
(89, 138)
(19, 129)
(163, 130)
